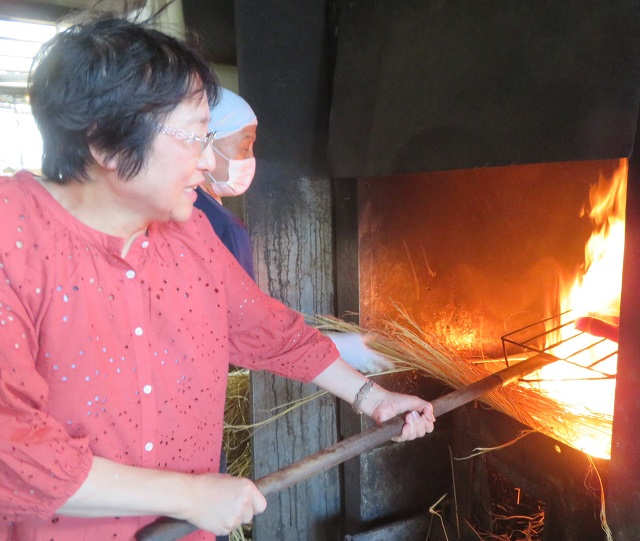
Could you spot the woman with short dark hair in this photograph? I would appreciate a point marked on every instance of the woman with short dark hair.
(120, 310)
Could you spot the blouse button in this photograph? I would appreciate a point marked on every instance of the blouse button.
(131, 274)
(145, 244)
(138, 331)
(148, 446)
(146, 389)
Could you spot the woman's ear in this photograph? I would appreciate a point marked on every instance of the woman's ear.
(100, 157)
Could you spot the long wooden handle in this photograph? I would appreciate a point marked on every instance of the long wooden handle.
(168, 529)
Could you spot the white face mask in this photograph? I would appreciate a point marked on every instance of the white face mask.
(241, 173)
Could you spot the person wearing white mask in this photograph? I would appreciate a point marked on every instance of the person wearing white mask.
(234, 124)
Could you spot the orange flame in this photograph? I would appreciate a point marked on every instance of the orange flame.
(595, 292)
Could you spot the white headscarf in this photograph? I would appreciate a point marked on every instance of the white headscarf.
(230, 115)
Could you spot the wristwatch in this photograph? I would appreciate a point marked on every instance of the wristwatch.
(360, 396)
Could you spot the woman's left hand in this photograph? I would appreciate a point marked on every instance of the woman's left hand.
(382, 405)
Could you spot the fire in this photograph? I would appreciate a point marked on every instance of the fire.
(595, 293)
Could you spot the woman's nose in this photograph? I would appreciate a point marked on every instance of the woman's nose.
(208, 159)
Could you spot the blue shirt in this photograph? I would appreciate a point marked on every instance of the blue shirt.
(230, 229)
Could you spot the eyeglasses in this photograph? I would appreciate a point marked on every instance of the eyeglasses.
(189, 137)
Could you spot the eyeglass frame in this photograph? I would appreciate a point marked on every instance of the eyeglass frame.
(189, 137)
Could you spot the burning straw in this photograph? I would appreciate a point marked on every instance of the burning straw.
(411, 348)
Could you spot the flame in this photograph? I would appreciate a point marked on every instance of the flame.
(594, 292)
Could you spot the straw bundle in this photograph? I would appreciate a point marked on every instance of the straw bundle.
(403, 341)
(236, 439)
(411, 348)
(237, 432)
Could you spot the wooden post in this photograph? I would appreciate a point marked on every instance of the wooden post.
(283, 73)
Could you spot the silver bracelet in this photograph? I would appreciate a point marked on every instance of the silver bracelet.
(360, 396)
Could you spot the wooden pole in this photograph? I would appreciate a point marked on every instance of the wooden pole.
(168, 529)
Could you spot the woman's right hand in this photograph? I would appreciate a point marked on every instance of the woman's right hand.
(220, 502)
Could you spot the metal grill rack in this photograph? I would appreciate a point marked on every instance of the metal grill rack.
(559, 334)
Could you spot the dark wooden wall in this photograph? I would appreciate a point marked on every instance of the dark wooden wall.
(623, 494)
(283, 73)
(425, 85)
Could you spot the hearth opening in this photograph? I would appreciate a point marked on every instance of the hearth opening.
(501, 264)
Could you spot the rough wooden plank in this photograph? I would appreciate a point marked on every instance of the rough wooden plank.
(418, 527)
(291, 230)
